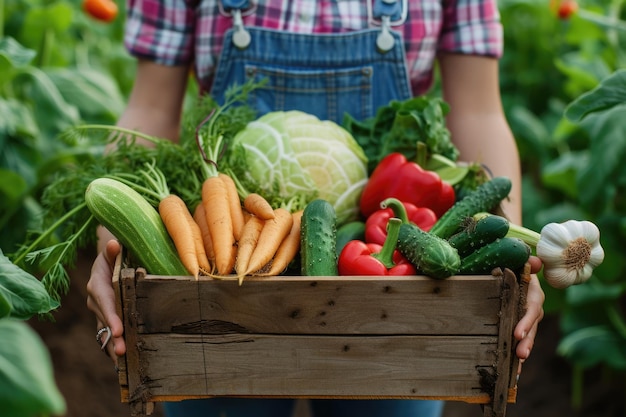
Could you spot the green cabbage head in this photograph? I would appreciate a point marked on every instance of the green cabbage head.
(289, 156)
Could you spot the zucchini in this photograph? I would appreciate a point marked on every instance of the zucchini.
(318, 239)
(507, 252)
(350, 231)
(484, 198)
(431, 255)
(136, 223)
(477, 233)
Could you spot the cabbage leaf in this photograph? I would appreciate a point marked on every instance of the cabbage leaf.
(291, 158)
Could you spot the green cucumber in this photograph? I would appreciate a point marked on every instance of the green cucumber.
(507, 252)
(350, 231)
(136, 224)
(477, 233)
(484, 198)
(431, 255)
(318, 239)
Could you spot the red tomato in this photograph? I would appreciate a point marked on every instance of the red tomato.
(567, 8)
(104, 10)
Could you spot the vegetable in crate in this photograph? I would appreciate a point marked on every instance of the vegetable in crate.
(431, 255)
(285, 155)
(507, 252)
(136, 223)
(569, 251)
(397, 177)
(376, 223)
(350, 231)
(318, 234)
(360, 258)
(478, 232)
(484, 198)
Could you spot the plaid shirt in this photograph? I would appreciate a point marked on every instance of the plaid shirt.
(178, 32)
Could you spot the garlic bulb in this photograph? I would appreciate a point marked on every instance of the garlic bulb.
(569, 252)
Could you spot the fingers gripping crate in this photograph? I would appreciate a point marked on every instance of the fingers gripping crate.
(320, 337)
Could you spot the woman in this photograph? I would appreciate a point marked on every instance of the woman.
(323, 57)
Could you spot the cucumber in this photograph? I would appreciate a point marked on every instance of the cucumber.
(477, 233)
(136, 224)
(484, 198)
(318, 239)
(507, 252)
(350, 231)
(431, 255)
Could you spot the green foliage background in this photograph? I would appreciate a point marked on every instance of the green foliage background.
(60, 68)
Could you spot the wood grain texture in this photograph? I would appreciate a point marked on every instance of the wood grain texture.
(320, 337)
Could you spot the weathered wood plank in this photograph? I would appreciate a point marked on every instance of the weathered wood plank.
(315, 366)
(320, 337)
(301, 305)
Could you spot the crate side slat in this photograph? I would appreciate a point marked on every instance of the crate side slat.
(505, 349)
(347, 305)
(307, 366)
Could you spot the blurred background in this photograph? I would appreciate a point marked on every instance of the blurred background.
(60, 67)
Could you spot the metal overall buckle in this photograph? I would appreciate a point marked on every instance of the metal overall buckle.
(389, 13)
(237, 9)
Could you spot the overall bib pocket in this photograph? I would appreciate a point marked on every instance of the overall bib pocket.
(327, 93)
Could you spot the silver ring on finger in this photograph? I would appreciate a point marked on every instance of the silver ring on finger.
(99, 334)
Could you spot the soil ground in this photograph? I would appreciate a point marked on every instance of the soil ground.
(88, 381)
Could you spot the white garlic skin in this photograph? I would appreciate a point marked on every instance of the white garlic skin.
(553, 246)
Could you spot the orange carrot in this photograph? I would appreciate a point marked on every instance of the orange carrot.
(234, 202)
(247, 243)
(256, 204)
(289, 247)
(174, 212)
(200, 219)
(196, 233)
(273, 233)
(219, 221)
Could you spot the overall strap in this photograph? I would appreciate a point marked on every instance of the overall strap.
(387, 11)
(241, 37)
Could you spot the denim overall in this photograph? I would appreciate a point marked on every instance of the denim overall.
(325, 75)
(321, 74)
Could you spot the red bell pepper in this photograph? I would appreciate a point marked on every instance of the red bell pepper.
(407, 181)
(360, 258)
(376, 223)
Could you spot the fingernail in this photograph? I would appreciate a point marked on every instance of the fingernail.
(524, 335)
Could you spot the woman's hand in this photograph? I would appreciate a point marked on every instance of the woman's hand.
(526, 329)
(101, 299)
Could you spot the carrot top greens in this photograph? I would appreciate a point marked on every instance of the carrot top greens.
(66, 225)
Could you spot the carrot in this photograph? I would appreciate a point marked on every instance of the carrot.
(200, 218)
(256, 204)
(273, 233)
(196, 233)
(288, 248)
(234, 202)
(175, 214)
(247, 243)
(219, 221)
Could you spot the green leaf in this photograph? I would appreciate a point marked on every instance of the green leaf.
(5, 306)
(26, 295)
(52, 112)
(607, 154)
(42, 21)
(593, 292)
(610, 93)
(560, 173)
(592, 345)
(27, 385)
(13, 54)
(95, 94)
(17, 119)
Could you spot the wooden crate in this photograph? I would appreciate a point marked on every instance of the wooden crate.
(320, 337)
